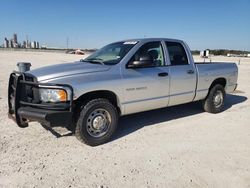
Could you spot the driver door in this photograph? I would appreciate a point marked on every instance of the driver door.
(146, 87)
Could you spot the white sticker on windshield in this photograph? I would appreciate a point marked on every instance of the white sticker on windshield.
(130, 42)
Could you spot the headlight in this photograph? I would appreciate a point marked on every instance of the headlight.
(53, 95)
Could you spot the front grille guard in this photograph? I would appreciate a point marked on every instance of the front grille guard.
(17, 83)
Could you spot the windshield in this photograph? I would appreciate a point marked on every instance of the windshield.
(111, 54)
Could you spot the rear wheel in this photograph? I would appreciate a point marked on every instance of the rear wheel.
(214, 102)
(97, 122)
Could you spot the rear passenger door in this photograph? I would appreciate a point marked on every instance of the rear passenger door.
(182, 74)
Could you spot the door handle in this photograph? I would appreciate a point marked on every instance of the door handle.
(190, 72)
(163, 74)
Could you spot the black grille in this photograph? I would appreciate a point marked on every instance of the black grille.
(18, 91)
(24, 91)
(29, 90)
(12, 92)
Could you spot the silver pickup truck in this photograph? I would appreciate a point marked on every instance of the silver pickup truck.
(125, 77)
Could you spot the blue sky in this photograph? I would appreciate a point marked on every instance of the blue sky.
(91, 24)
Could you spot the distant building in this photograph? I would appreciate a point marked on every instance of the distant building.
(15, 38)
(6, 43)
(33, 44)
(10, 44)
(28, 44)
(238, 55)
(24, 44)
(13, 43)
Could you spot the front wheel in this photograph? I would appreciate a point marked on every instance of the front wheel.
(214, 102)
(97, 122)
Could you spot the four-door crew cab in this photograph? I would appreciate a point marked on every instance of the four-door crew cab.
(121, 78)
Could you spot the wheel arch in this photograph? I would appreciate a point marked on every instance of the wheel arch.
(106, 94)
(208, 103)
(222, 81)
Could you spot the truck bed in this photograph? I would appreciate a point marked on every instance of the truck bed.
(211, 62)
(207, 72)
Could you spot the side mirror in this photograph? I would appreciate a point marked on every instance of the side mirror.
(144, 61)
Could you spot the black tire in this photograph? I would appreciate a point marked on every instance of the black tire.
(85, 125)
(209, 104)
(21, 122)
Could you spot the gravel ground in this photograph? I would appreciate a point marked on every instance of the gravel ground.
(180, 146)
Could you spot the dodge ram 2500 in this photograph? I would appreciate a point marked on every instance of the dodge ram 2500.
(121, 78)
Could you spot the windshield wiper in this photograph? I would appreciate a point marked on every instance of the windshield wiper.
(95, 58)
(92, 61)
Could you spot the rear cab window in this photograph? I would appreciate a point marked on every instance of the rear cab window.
(177, 53)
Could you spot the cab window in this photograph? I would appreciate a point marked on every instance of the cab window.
(153, 50)
(177, 53)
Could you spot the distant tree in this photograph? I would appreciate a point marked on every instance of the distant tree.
(222, 52)
(195, 52)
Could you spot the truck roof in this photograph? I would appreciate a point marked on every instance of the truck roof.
(150, 39)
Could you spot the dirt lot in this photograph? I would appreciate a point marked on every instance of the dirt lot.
(180, 146)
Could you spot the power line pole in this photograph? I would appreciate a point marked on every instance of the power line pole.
(27, 41)
(67, 42)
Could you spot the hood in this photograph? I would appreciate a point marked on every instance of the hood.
(66, 69)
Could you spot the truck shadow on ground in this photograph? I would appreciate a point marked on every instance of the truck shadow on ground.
(134, 122)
